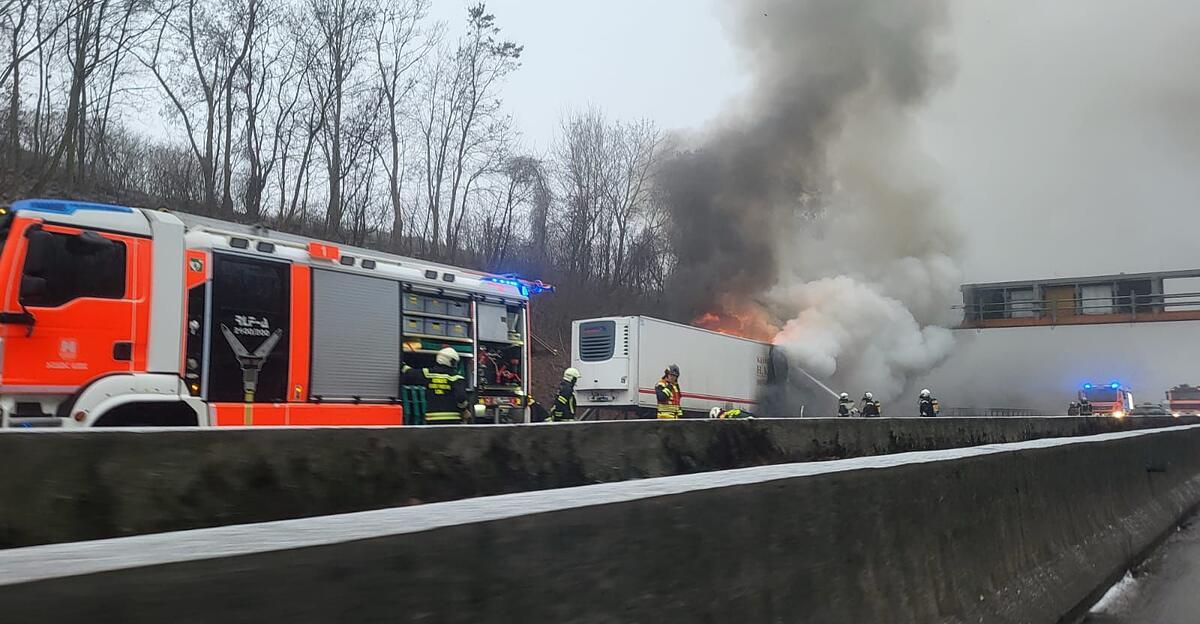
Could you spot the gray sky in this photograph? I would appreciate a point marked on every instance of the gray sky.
(666, 60)
(1069, 137)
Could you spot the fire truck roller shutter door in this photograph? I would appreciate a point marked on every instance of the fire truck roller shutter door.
(356, 337)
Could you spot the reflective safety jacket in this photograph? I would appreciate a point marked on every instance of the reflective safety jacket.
(445, 391)
(564, 403)
(845, 407)
(871, 409)
(928, 407)
(668, 395)
(736, 413)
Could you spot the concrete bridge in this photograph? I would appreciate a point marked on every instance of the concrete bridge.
(898, 520)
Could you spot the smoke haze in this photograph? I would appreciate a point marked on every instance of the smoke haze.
(809, 204)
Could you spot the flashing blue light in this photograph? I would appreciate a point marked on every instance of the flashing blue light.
(1087, 386)
(523, 286)
(1114, 385)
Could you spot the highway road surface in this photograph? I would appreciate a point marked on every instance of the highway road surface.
(1165, 589)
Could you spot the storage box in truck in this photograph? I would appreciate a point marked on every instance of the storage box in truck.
(620, 360)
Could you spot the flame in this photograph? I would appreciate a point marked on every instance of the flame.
(740, 319)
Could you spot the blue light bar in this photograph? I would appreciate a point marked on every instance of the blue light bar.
(525, 287)
(58, 206)
(1087, 386)
(1114, 385)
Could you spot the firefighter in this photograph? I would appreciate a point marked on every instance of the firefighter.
(668, 394)
(563, 409)
(730, 413)
(445, 390)
(845, 406)
(1085, 406)
(870, 407)
(927, 405)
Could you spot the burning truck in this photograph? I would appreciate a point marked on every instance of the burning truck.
(621, 358)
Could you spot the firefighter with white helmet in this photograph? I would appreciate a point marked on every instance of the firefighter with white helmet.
(845, 406)
(445, 389)
(563, 409)
(927, 405)
(870, 407)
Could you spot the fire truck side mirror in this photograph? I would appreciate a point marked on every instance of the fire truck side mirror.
(88, 243)
(32, 288)
(37, 253)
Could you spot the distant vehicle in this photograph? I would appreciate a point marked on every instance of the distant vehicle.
(1108, 400)
(1149, 409)
(1184, 400)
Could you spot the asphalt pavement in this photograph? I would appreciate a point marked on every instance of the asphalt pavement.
(1164, 589)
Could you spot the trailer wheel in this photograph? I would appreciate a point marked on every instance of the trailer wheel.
(154, 414)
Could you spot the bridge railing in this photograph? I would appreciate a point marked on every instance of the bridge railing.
(1075, 310)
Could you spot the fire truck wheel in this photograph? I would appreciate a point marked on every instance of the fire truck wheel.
(164, 414)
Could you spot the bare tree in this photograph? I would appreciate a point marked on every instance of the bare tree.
(462, 122)
(523, 178)
(636, 148)
(583, 171)
(272, 88)
(342, 32)
(97, 32)
(28, 27)
(195, 58)
(606, 176)
(399, 46)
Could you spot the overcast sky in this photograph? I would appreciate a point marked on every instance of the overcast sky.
(1068, 138)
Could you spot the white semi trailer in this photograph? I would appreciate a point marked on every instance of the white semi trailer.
(621, 358)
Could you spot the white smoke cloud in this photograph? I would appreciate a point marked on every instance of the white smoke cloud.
(868, 286)
(850, 332)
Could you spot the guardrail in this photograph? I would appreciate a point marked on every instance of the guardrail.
(993, 412)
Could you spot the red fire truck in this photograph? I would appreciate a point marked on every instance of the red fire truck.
(121, 316)
(1110, 399)
(1184, 400)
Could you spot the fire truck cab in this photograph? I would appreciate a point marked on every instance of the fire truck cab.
(1111, 399)
(122, 316)
(1184, 400)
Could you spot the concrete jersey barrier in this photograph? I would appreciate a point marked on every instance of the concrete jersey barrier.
(68, 486)
(1014, 533)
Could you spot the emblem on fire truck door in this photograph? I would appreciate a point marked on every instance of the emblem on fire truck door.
(196, 265)
(68, 349)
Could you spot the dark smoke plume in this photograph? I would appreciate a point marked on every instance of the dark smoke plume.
(805, 206)
(735, 193)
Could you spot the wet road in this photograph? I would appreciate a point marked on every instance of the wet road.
(1165, 589)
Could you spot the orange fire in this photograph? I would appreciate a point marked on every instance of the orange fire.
(743, 320)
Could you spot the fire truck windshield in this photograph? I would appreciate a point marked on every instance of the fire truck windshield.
(1101, 395)
(1185, 393)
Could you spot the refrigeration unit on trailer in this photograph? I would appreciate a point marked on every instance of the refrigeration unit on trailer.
(620, 360)
(113, 315)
